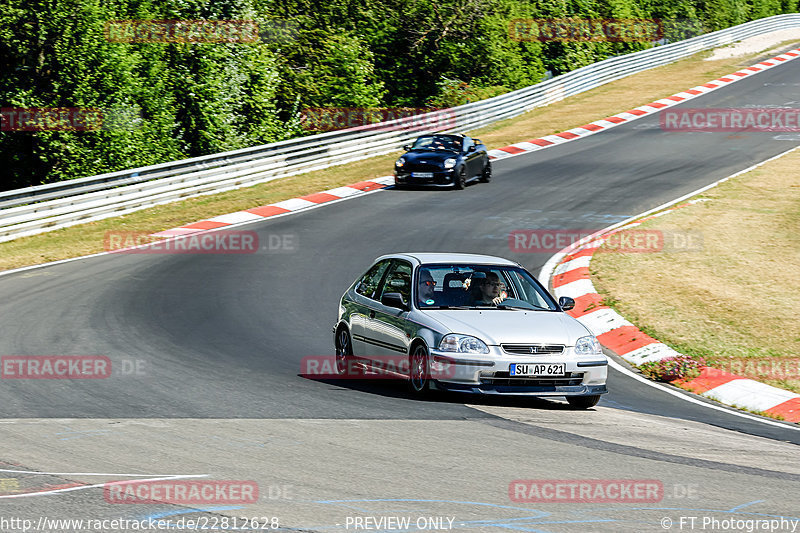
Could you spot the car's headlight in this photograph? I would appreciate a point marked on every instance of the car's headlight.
(588, 345)
(462, 344)
(401, 162)
(449, 163)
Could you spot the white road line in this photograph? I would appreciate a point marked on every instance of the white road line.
(546, 272)
(96, 474)
(84, 487)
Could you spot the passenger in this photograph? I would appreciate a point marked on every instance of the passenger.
(490, 290)
(426, 287)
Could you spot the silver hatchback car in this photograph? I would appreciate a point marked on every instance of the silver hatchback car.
(467, 323)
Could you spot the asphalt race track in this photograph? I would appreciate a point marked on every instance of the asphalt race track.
(219, 340)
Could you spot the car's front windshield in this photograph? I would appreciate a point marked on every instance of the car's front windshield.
(438, 142)
(468, 286)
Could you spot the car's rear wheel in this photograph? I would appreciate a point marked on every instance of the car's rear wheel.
(486, 175)
(344, 351)
(419, 381)
(583, 402)
(461, 179)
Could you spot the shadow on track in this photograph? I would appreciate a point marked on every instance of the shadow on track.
(397, 388)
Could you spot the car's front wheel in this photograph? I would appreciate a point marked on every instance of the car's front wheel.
(344, 351)
(419, 380)
(460, 179)
(486, 175)
(583, 402)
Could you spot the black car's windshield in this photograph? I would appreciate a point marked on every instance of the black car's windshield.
(466, 286)
(450, 143)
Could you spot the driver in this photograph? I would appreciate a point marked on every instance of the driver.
(426, 286)
(491, 290)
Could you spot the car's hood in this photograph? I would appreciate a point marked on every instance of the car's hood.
(428, 156)
(508, 326)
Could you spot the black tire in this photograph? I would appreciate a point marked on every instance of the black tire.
(583, 402)
(461, 179)
(486, 175)
(344, 351)
(419, 378)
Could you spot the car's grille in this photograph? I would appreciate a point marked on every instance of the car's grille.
(533, 349)
(422, 167)
(504, 379)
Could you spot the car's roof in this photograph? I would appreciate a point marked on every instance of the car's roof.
(446, 257)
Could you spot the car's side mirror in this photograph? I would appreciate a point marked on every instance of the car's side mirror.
(471, 148)
(566, 303)
(394, 299)
(407, 147)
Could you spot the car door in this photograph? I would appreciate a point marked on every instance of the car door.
(364, 304)
(473, 158)
(387, 328)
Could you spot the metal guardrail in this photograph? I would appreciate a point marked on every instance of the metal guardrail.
(43, 208)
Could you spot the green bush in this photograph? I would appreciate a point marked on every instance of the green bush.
(195, 99)
(672, 368)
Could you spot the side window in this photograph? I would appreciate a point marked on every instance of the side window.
(505, 284)
(399, 280)
(529, 292)
(368, 283)
(467, 143)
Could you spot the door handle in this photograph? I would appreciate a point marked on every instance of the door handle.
(372, 314)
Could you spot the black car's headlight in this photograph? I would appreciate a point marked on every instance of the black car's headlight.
(400, 162)
(462, 344)
(588, 345)
(449, 163)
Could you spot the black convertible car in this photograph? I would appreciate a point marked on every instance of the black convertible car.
(451, 160)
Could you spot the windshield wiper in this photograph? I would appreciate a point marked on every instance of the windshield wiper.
(532, 308)
(509, 307)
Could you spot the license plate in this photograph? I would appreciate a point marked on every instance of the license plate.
(539, 369)
(422, 174)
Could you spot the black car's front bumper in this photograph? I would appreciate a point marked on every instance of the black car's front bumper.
(440, 177)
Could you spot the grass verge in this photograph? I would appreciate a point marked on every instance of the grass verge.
(598, 103)
(730, 300)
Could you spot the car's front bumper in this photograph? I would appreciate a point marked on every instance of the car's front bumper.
(581, 390)
(489, 374)
(442, 177)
